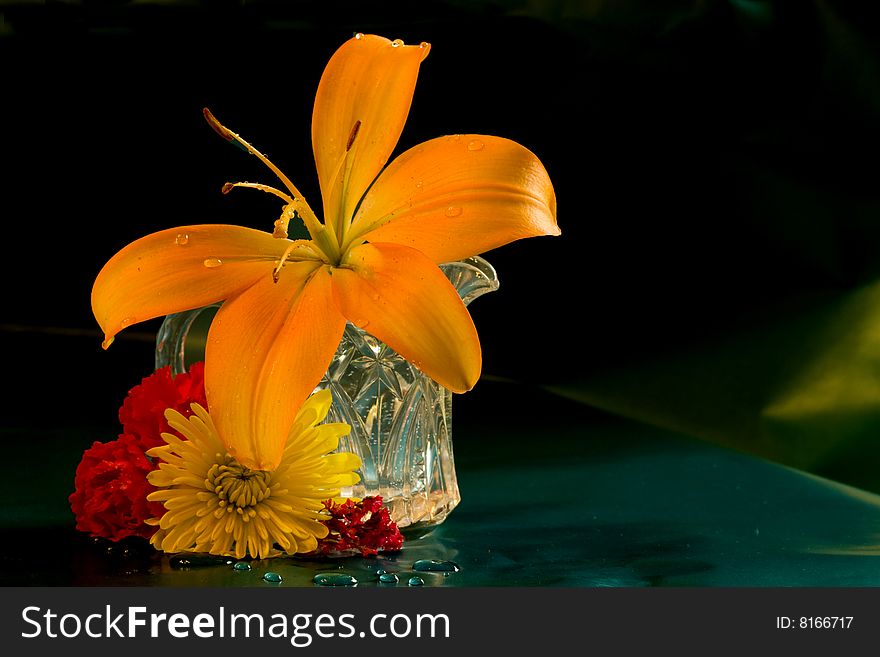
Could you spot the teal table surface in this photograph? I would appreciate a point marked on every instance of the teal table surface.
(554, 495)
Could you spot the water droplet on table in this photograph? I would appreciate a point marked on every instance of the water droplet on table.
(241, 566)
(416, 581)
(334, 579)
(388, 578)
(434, 566)
(197, 561)
(273, 578)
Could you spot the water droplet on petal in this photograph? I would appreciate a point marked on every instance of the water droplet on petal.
(424, 44)
(182, 239)
(451, 211)
(359, 35)
(420, 185)
(416, 581)
(126, 321)
(211, 263)
(397, 43)
(476, 145)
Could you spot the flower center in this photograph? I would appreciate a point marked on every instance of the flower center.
(238, 487)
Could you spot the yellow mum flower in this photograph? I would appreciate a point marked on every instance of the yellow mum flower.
(214, 504)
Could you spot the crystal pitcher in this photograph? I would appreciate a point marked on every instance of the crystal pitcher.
(401, 420)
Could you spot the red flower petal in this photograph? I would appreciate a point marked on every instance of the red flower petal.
(143, 411)
(110, 500)
(350, 532)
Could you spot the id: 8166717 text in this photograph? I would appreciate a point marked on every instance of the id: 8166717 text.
(814, 622)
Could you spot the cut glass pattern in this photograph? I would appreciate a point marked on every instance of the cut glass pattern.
(401, 421)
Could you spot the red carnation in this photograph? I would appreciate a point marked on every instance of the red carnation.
(110, 500)
(143, 411)
(364, 526)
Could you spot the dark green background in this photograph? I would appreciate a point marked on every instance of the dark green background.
(715, 166)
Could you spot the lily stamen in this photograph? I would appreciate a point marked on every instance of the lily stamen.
(353, 135)
(228, 187)
(289, 211)
(343, 171)
(281, 224)
(308, 254)
(313, 225)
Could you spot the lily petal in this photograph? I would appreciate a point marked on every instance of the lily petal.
(403, 299)
(457, 196)
(267, 350)
(180, 269)
(361, 105)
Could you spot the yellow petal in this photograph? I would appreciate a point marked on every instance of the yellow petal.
(398, 295)
(318, 404)
(177, 269)
(458, 196)
(343, 463)
(267, 350)
(368, 83)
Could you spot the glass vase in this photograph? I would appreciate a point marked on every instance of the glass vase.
(401, 420)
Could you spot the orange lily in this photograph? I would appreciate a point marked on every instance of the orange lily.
(372, 262)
